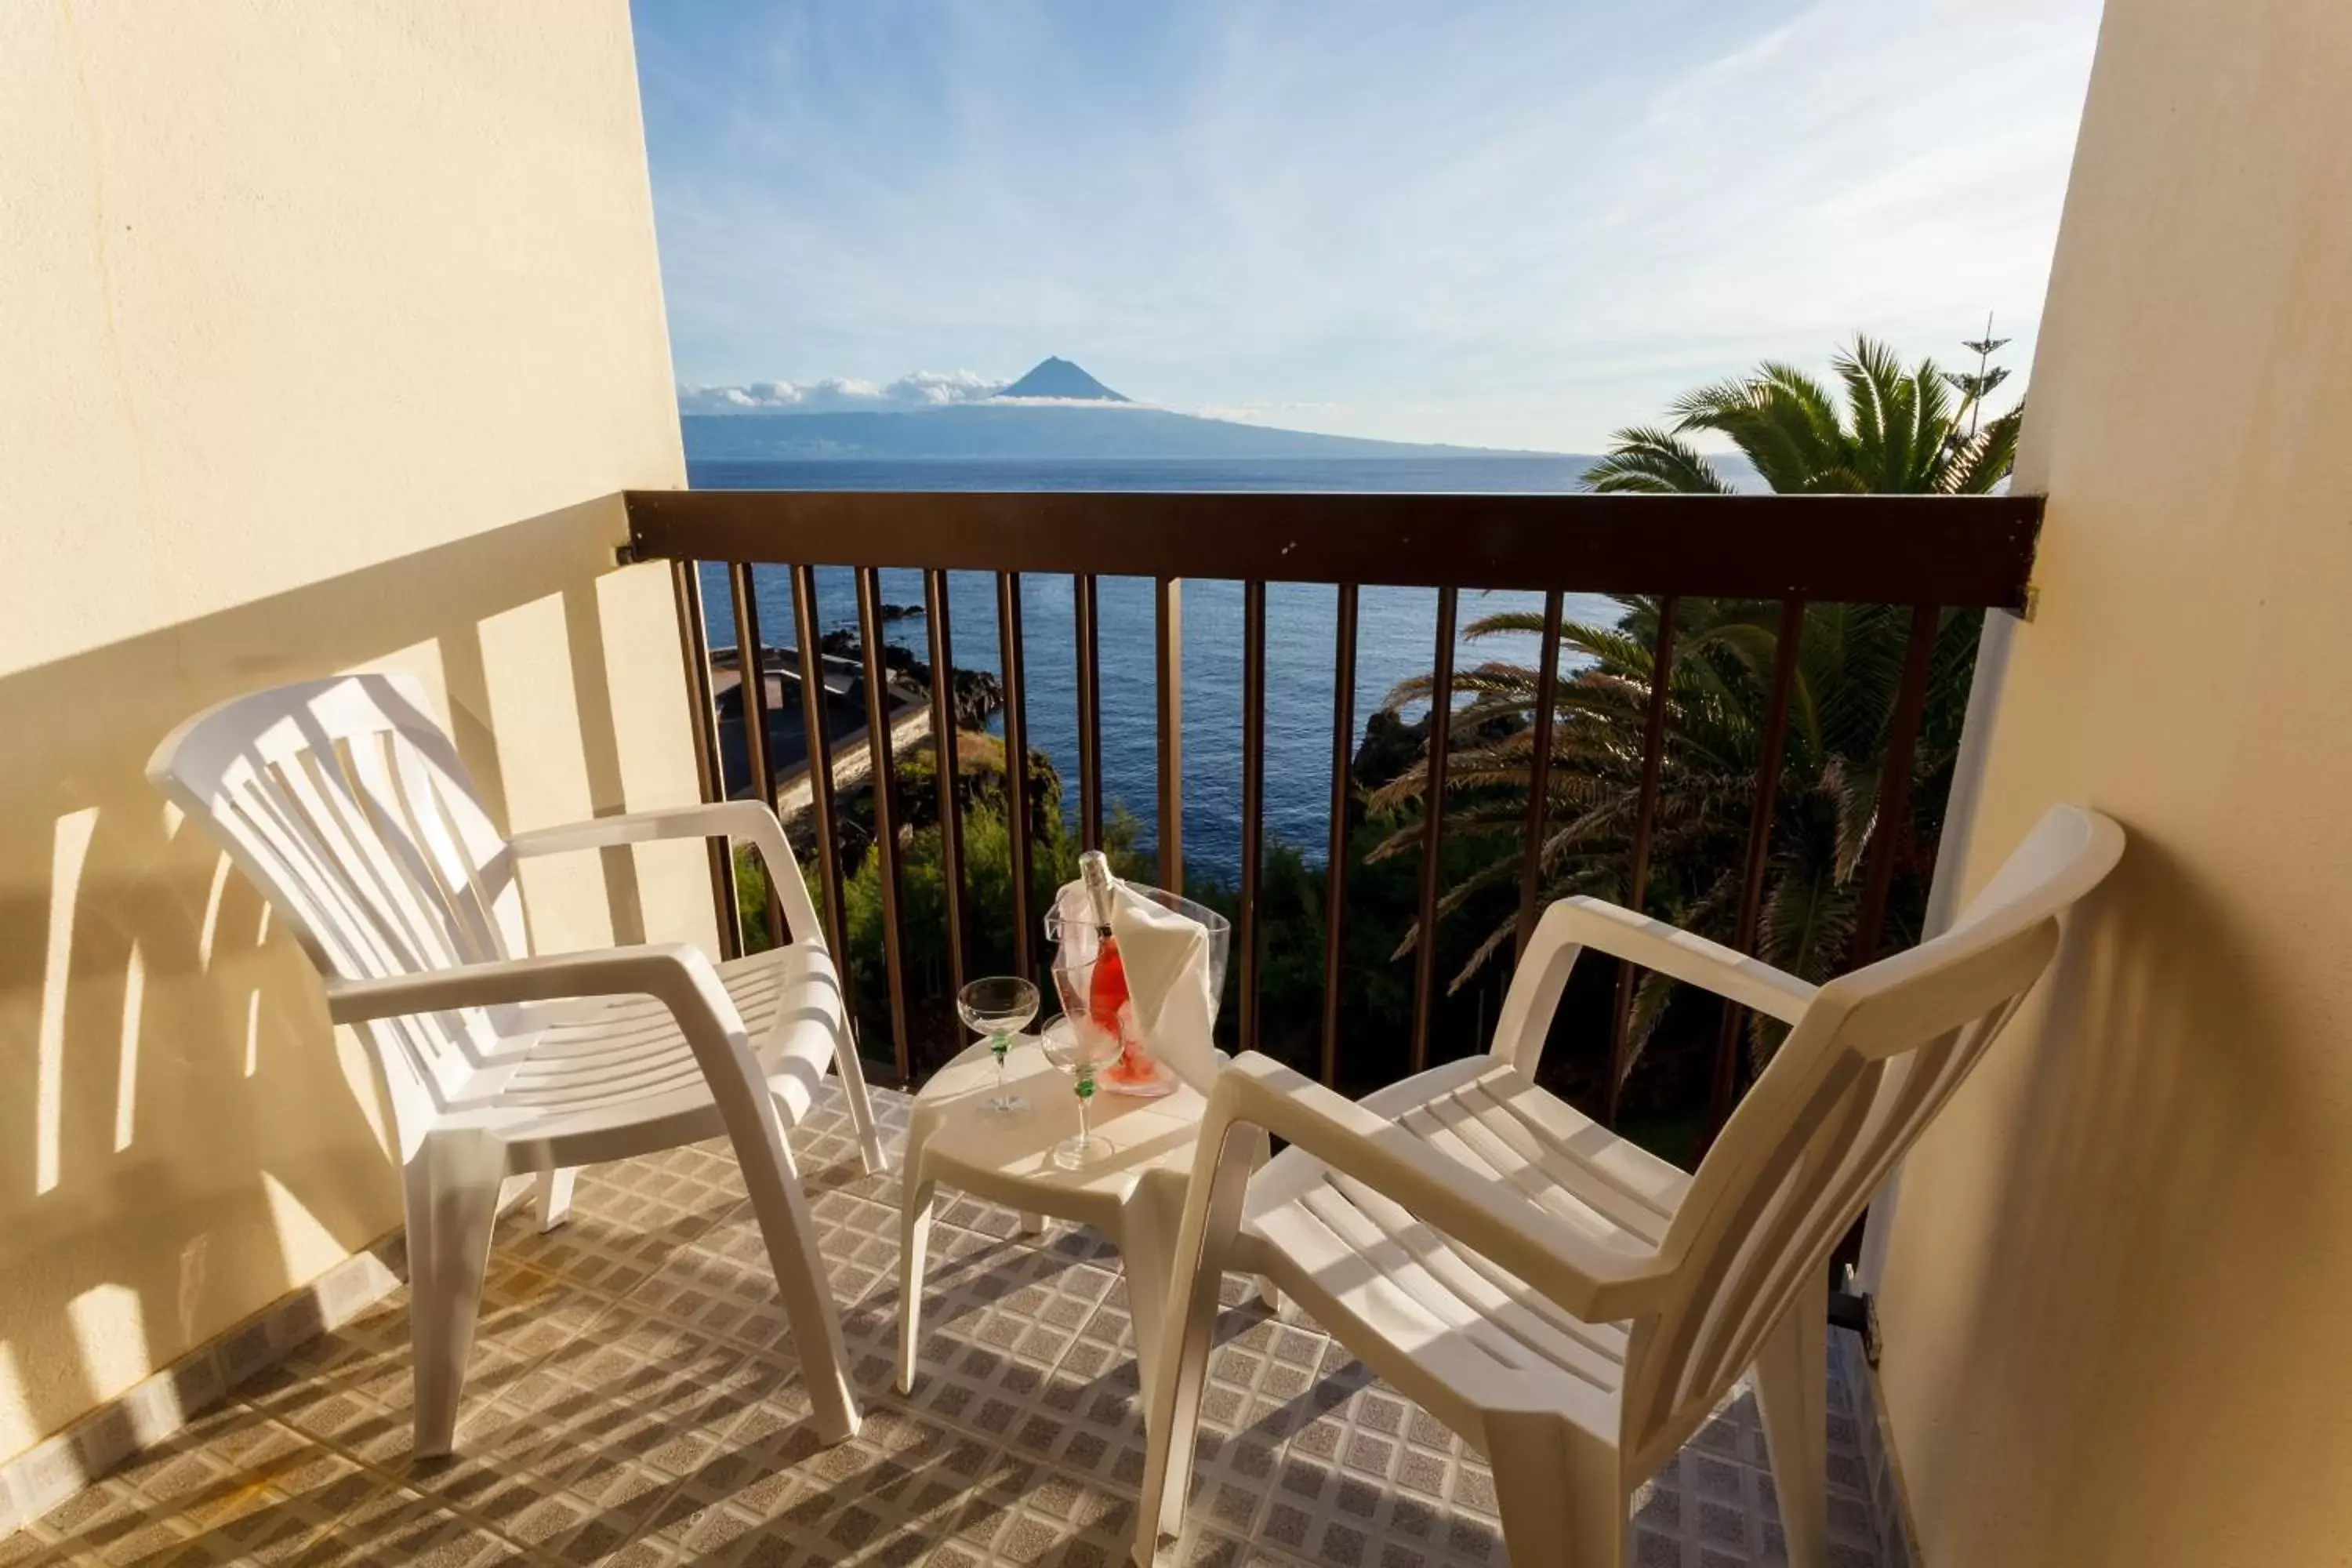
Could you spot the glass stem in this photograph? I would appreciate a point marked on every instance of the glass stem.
(996, 1044)
(1086, 1093)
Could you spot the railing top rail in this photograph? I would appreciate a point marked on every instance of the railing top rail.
(1957, 550)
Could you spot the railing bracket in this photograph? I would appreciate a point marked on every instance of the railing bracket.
(1858, 1311)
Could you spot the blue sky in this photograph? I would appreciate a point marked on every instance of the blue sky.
(1509, 225)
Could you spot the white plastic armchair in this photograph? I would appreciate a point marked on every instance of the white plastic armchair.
(347, 805)
(1571, 1305)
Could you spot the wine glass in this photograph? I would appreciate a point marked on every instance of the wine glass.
(1079, 1043)
(999, 1007)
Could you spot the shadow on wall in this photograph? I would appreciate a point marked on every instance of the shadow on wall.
(2126, 1170)
(182, 1136)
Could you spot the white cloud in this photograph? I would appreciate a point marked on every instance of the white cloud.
(919, 389)
(941, 386)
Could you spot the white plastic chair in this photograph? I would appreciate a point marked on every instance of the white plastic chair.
(344, 801)
(1572, 1306)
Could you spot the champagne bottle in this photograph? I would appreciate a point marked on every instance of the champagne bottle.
(1107, 1000)
(1095, 873)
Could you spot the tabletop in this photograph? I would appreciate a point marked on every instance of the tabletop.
(1145, 1135)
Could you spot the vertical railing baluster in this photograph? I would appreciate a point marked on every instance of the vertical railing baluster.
(883, 782)
(1016, 767)
(754, 670)
(694, 646)
(1645, 819)
(1343, 796)
(1168, 650)
(1432, 829)
(1759, 850)
(1895, 784)
(1253, 801)
(1540, 770)
(943, 749)
(816, 722)
(1082, 590)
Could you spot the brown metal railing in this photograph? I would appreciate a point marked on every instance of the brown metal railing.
(687, 584)
(1016, 761)
(1930, 552)
(943, 729)
(1167, 673)
(1645, 821)
(820, 759)
(754, 688)
(1432, 827)
(1335, 890)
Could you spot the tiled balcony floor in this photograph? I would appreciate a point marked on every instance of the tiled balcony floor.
(633, 1398)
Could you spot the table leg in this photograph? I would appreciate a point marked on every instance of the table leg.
(1032, 1224)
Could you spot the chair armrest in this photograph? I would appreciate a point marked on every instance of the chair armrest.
(1597, 1281)
(673, 973)
(1572, 925)
(751, 821)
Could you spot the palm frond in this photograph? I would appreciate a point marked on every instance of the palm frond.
(1649, 462)
(1856, 367)
(1980, 465)
(1874, 425)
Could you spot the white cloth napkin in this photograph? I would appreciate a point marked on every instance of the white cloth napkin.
(1166, 955)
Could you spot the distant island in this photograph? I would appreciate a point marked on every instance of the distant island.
(1059, 378)
(1056, 410)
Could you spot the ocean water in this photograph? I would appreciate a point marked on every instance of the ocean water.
(1396, 629)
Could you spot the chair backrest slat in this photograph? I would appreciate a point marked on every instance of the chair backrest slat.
(347, 805)
(384, 898)
(417, 882)
(1875, 1056)
(321, 911)
(473, 856)
(400, 789)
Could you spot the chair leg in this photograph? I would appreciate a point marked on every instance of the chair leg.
(861, 1104)
(555, 1195)
(1195, 1269)
(915, 1206)
(790, 1232)
(1559, 1491)
(451, 1189)
(1269, 1294)
(1148, 1224)
(1792, 1395)
(1173, 1412)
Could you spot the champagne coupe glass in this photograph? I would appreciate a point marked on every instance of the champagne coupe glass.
(1079, 1043)
(999, 1007)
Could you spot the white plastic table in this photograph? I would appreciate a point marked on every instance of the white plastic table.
(1134, 1195)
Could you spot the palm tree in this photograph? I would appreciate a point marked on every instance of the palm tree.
(1897, 431)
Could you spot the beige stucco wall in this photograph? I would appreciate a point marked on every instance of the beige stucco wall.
(2120, 1283)
(325, 326)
